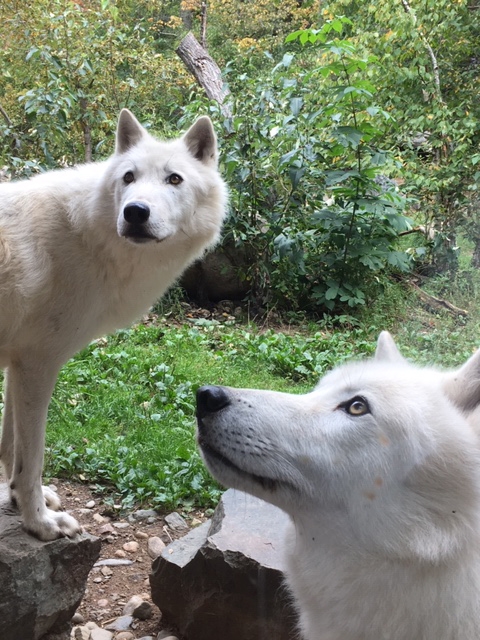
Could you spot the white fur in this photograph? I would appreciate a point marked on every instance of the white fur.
(72, 268)
(385, 506)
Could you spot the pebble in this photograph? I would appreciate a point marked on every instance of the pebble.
(131, 605)
(106, 528)
(131, 547)
(81, 633)
(125, 635)
(121, 525)
(176, 522)
(78, 618)
(141, 535)
(155, 546)
(90, 504)
(195, 522)
(120, 553)
(113, 562)
(144, 611)
(99, 519)
(144, 514)
(100, 634)
(106, 571)
(103, 603)
(120, 624)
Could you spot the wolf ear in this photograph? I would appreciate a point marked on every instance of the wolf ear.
(387, 350)
(129, 131)
(463, 385)
(201, 141)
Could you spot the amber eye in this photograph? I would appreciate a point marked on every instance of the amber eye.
(357, 406)
(174, 179)
(128, 177)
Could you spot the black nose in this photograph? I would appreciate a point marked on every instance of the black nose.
(211, 399)
(136, 213)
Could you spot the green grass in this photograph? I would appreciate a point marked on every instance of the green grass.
(122, 415)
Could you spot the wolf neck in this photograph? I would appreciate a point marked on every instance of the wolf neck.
(330, 574)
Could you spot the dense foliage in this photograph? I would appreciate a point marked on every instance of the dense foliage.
(352, 153)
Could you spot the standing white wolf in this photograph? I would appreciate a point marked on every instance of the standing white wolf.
(379, 469)
(83, 252)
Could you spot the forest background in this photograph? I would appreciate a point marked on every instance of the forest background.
(349, 137)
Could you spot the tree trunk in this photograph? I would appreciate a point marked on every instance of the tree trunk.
(206, 71)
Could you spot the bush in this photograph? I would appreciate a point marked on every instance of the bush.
(311, 203)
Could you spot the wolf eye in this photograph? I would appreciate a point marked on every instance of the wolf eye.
(128, 177)
(357, 406)
(174, 179)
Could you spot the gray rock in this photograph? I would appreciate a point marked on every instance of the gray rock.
(100, 634)
(176, 522)
(224, 579)
(120, 624)
(155, 546)
(143, 514)
(144, 611)
(41, 583)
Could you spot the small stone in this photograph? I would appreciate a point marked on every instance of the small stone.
(99, 519)
(131, 605)
(100, 634)
(81, 633)
(131, 546)
(97, 580)
(106, 528)
(144, 514)
(195, 522)
(120, 624)
(103, 603)
(78, 618)
(155, 546)
(141, 535)
(176, 522)
(121, 525)
(106, 571)
(91, 625)
(120, 553)
(113, 562)
(90, 504)
(144, 611)
(125, 635)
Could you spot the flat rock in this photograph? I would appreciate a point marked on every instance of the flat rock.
(41, 583)
(224, 579)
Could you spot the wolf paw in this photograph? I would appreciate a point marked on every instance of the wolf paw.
(53, 525)
(52, 500)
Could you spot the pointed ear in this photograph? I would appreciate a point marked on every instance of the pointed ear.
(129, 131)
(201, 141)
(387, 350)
(463, 385)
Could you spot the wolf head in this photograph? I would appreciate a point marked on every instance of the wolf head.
(166, 189)
(389, 448)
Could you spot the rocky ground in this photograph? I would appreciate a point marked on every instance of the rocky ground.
(117, 603)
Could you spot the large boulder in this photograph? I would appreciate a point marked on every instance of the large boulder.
(41, 583)
(225, 578)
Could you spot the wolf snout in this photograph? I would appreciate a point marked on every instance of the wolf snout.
(211, 399)
(136, 213)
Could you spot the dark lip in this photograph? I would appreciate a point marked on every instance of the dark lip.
(269, 484)
(140, 238)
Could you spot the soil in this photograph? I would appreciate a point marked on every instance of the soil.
(110, 588)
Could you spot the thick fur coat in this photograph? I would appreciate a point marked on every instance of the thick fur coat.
(85, 251)
(379, 469)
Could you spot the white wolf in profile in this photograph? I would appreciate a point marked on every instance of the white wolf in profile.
(379, 469)
(83, 252)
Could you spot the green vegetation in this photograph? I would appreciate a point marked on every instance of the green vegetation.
(122, 415)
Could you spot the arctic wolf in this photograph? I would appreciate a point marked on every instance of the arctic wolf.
(83, 252)
(379, 469)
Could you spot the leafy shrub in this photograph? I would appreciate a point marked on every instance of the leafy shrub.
(310, 200)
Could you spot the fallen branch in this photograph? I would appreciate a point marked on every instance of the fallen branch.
(438, 302)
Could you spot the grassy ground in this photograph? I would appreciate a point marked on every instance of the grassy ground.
(122, 414)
